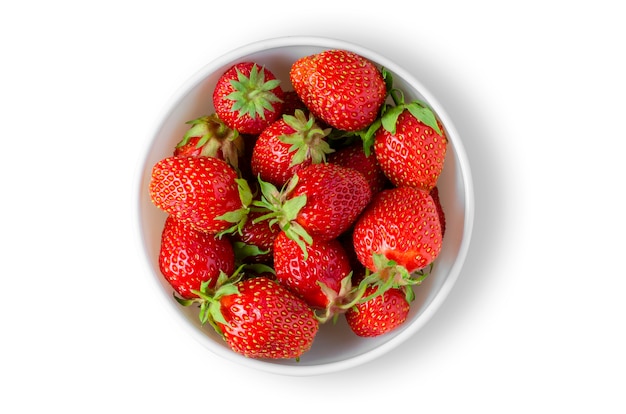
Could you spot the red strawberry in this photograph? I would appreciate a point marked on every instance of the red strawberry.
(208, 136)
(327, 263)
(400, 225)
(335, 196)
(292, 102)
(379, 315)
(259, 318)
(200, 191)
(353, 156)
(320, 202)
(188, 258)
(287, 146)
(411, 146)
(434, 193)
(248, 98)
(340, 87)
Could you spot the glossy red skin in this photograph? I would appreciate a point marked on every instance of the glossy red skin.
(190, 149)
(195, 191)
(380, 315)
(413, 156)
(187, 257)
(401, 223)
(271, 158)
(266, 320)
(223, 107)
(327, 262)
(354, 157)
(434, 193)
(340, 87)
(292, 102)
(336, 195)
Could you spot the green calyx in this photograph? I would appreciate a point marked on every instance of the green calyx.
(390, 274)
(208, 299)
(282, 210)
(244, 256)
(308, 141)
(253, 94)
(238, 217)
(389, 114)
(339, 302)
(216, 139)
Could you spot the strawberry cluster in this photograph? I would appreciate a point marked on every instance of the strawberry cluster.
(289, 207)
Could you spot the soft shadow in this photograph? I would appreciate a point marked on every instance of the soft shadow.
(471, 118)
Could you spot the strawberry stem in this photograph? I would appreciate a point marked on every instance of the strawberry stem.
(253, 94)
(283, 210)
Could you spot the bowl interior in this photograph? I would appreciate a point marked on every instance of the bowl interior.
(335, 346)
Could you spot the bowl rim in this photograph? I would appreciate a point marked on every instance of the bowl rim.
(464, 167)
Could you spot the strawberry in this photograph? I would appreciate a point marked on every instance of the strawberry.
(327, 263)
(379, 315)
(335, 196)
(291, 102)
(188, 258)
(340, 87)
(434, 193)
(209, 136)
(398, 234)
(258, 317)
(353, 156)
(410, 145)
(248, 98)
(287, 146)
(203, 192)
(320, 202)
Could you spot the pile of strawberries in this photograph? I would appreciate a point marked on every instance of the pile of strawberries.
(290, 207)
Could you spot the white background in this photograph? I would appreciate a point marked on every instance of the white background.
(536, 321)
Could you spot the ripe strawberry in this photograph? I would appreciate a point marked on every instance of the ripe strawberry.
(327, 262)
(259, 318)
(335, 196)
(340, 87)
(400, 225)
(287, 146)
(209, 136)
(248, 98)
(379, 315)
(434, 193)
(292, 102)
(353, 156)
(188, 258)
(411, 146)
(203, 192)
(320, 202)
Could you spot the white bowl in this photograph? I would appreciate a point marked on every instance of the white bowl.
(335, 347)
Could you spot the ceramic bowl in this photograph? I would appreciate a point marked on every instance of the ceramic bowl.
(335, 347)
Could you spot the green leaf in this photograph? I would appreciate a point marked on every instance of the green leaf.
(245, 194)
(368, 136)
(244, 250)
(424, 114)
(298, 234)
(388, 78)
(293, 206)
(269, 192)
(183, 302)
(216, 313)
(390, 119)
